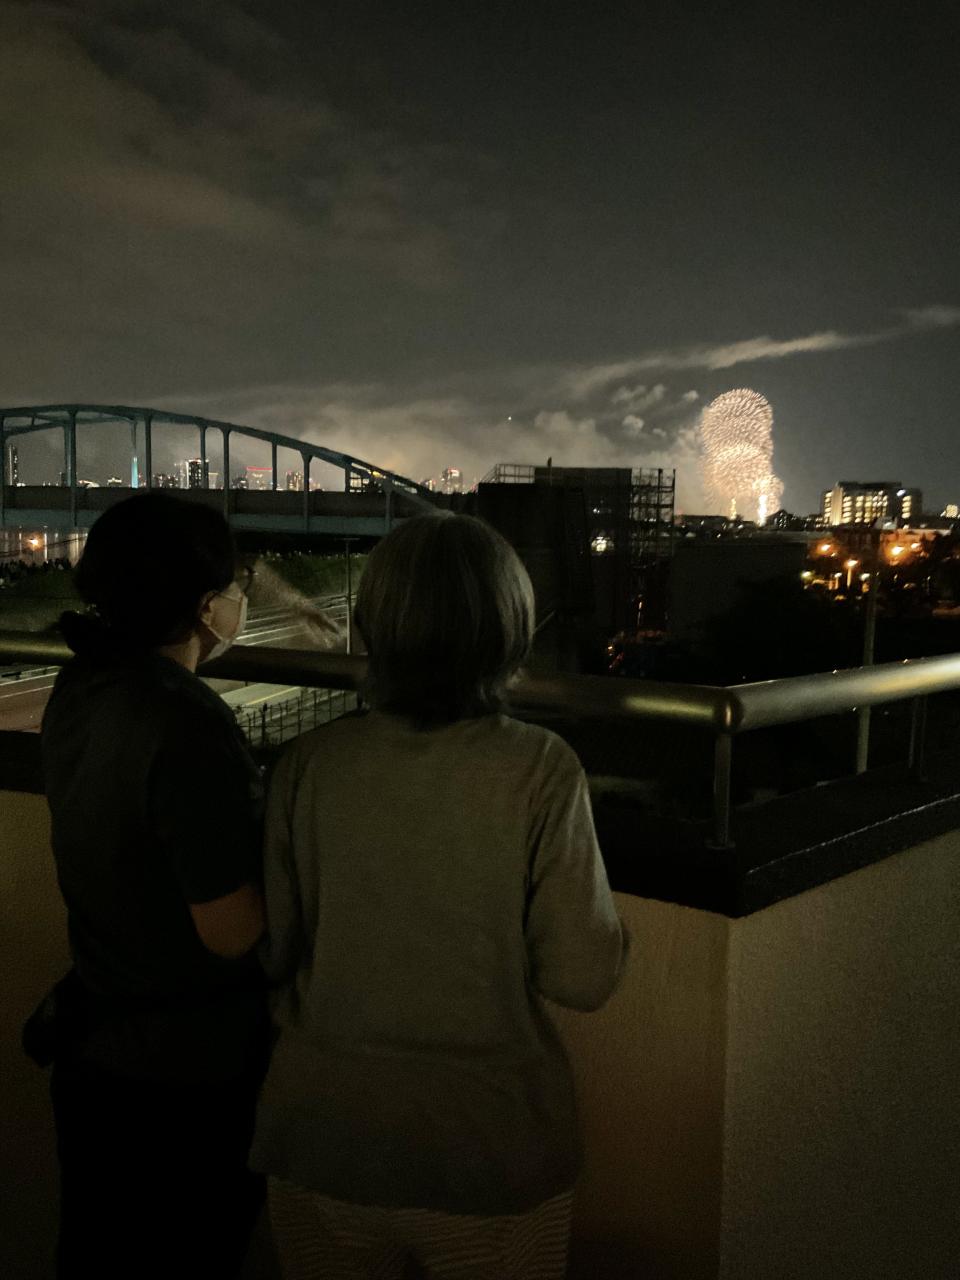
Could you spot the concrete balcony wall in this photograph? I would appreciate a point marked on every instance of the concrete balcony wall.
(776, 1095)
(650, 1077)
(842, 1113)
(779, 1095)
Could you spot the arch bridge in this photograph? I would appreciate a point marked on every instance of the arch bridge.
(367, 503)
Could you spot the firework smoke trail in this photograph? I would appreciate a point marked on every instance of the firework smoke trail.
(736, 437)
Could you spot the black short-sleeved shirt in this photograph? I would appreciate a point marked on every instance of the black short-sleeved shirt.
(155, 804)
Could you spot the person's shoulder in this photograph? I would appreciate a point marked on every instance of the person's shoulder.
(334, 740)
(548, 749)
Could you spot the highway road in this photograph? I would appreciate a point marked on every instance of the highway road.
(24, 696)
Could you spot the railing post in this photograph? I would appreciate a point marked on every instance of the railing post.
(273, 465)
(204, 469)
(306, 459)
(349, 593)
(869, 633)
(918, 735)
(722, 762)
(863, 738)
(3, 472)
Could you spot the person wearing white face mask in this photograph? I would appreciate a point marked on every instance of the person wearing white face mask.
(224, 641)
(159, 1037)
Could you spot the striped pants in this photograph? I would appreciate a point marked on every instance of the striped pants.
(322, 1239)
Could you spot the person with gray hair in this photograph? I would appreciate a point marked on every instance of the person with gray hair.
(432, 875)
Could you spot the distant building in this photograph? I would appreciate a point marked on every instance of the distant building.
(602, 534)
(867, 501)
(258, 477)
(294, 482)
(114, 483)
(451, 480)
(198, 473)
(163, 480)
(951, 511)
(708, 577)
(784, 520)
(13, 465)
(430, 484)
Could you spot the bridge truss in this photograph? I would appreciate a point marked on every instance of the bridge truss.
(359, 476)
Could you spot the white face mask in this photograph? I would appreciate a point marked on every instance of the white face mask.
(224, 642)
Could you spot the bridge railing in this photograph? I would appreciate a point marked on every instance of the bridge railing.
(723, 712)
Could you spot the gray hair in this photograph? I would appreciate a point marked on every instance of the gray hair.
(445, 609)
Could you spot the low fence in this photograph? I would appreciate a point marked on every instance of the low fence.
(278, 722)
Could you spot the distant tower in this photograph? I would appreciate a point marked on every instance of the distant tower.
(134, 459)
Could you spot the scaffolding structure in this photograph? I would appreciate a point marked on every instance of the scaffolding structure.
(652, 497)
(652, 530)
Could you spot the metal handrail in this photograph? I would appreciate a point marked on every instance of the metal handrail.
(723, 711)
(771, 702)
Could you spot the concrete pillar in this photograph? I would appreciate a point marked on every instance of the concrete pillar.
(148, 447)
(226, 473)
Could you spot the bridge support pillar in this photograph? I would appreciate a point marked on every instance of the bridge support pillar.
(226, 473)
(70, 449)
(148, 447)
(306, 459)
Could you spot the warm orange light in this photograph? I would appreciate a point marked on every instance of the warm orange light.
(897, 551)
(850, 564)
(825, 548)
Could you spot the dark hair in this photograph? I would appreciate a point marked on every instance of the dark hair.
(145, 569)
(445, 609)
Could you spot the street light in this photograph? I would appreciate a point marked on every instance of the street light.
(850, 565)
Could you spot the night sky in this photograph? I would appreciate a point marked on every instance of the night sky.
(392, 227)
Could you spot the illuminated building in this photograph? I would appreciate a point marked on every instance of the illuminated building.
(193, 473)
(13, 465)
(198, 473)
(258, 477)
(294, 481)
(867, 501)
(951, 511)
(451, 480)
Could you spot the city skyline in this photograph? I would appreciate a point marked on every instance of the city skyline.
(185, 472)
(491, 238)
